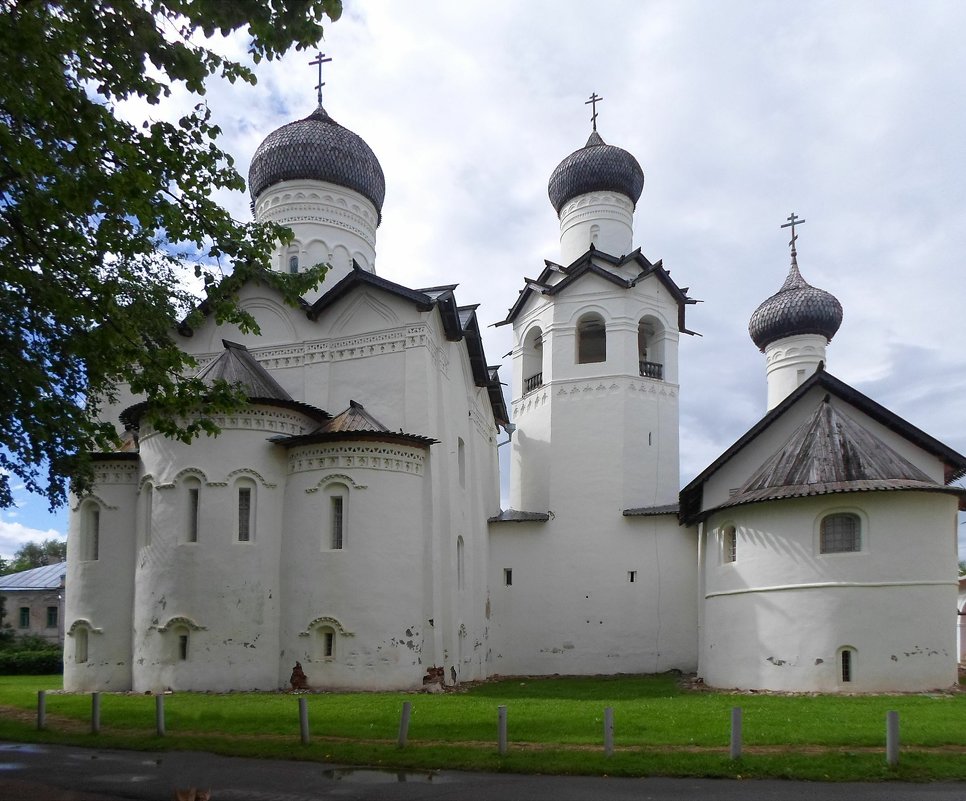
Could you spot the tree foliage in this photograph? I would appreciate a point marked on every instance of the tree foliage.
(36, 554)
(98, 216)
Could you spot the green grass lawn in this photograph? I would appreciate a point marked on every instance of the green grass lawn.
(555, 726)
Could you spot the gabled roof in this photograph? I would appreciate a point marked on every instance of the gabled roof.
(355, 423)
(588, 264)
(828, 453)
(844, 449)
(46, 577)
(359, 277)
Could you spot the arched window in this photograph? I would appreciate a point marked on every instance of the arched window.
(192, 508)
(729, 545)
(91, 532)
(840, 533)
(595, 235)
(846, 665)
(650, 349)
(533, 360)
(337, 517)
(293, 263)
(591, 339)
(80, 645)
(245, 511)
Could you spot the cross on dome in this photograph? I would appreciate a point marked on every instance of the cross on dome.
(320, 59)
(594, 100)
(793, 220)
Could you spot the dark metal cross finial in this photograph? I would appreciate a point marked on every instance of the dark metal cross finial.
(594, 100)
(320, 59)
(793, 220)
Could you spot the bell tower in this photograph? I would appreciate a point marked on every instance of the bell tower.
(595, 358)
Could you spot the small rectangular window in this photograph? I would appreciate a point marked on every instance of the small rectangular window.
(508, 576)
(244, 514)
(24, 617)
(51, 617)
(328, 643)
(632, 576)
(337, 523)
(194, 498)
(730, 544)
(183, 647)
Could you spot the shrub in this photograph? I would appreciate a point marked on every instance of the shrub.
(31, 663)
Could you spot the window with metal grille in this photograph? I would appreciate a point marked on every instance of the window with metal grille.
(328, 643)
(194, 506)
(244, 514)
(840, 534)
(338, 509)
(730, 545)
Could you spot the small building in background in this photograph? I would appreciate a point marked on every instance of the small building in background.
(33, 601)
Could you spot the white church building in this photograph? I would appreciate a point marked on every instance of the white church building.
(349, 518)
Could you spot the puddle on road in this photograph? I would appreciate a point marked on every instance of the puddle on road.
(372, 776)
(12, 765)
(23, 748)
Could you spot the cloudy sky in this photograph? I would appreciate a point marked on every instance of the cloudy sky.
(849, 114)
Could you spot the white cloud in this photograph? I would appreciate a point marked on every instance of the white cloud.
(13, 535)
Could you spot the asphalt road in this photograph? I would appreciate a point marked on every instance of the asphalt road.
(63, 773)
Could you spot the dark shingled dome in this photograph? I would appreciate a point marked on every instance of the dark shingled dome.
(796, 308)
(596, 167)
(318, 148)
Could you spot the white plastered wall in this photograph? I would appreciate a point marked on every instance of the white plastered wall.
(778, 616)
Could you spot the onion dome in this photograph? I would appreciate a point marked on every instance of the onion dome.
(796, 308)
(596, 167)
(318, 148)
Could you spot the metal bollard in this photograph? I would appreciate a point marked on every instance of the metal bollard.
(736, 732)
(501, 729)
(95, 713)
(159, 714)
(407, 709)
(304, 720)
(41, 709)
(892, 738)
(608, 731)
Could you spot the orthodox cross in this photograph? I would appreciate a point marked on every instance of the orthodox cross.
(320, 59)
(594, 100)
(793, 220)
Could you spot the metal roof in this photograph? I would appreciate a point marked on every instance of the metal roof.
(46, 577)
(318, 148)
(595, 167)
(355, 423)
(585, 265)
